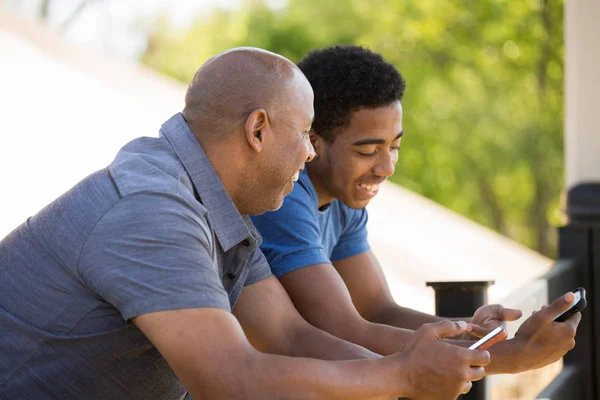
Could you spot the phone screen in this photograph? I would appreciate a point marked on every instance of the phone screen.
(494, 336)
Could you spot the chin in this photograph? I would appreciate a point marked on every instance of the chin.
(277, 207)
(355, 203)
(361, 204)
(277, 204)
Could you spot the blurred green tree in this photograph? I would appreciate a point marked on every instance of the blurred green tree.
(484, 104)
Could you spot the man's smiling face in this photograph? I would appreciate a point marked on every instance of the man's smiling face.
(361, 156)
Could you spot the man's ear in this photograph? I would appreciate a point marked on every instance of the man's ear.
(255, 128)
(317, 142)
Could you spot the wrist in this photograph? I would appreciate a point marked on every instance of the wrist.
(396, 374)
(507, 357)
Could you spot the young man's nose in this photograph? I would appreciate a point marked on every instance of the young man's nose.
(385, 165)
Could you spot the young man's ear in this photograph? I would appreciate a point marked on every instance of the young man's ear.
(255, 128)
(317, 142)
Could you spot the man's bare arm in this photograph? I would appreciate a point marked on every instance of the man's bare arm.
(209, 352)
(321, 296)
(371, 295)
(538, 342)
(273, 325)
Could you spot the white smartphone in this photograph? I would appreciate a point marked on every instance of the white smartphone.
(488, 340)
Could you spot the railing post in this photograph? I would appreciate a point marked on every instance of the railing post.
(579, 240)
(460, 300)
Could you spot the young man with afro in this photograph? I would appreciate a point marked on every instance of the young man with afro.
(316, 243)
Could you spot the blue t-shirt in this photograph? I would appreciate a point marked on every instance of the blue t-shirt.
(299, 234)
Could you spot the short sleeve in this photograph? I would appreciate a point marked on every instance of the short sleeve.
(291, 235)
(151, 252)
(353, 240)
(259, 268)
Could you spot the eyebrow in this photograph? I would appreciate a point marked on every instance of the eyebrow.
(363, 142)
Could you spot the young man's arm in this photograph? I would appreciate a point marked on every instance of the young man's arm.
(321, 297)
(209, 352)
(537, 343)
(273, 325)
(371, 295)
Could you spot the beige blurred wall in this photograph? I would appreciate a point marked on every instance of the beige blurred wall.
(582, 91)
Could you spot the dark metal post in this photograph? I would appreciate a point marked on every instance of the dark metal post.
(579, 240)
(460, 300)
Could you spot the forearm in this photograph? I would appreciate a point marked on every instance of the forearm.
(401, 317)
(410, 320)
(506, 357)
(362, 379)
(384, 339)
(351, 327)
(308, 341)
(266, 376)
(379, 338)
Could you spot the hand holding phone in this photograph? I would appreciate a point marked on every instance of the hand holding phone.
(576, 306)
(491, 338)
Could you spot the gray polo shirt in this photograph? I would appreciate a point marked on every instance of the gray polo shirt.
(154, 231)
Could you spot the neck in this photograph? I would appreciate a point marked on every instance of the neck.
(229, 166)
(323, 196)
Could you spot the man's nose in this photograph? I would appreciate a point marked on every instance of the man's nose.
(311, 152)
(386, 165)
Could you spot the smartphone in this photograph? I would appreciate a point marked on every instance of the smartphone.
(488, 340)
(577, 306)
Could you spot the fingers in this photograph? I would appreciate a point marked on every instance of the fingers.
(466, 387)
(476, 374)
(479, 331)
(557, 307)
(511, 314)
(573, 321)
(478, 358)
(543, 307)
(446, 328)
(499, 312)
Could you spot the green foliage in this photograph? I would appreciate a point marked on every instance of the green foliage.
(484, 104)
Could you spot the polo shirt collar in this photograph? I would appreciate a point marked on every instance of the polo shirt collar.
(229, 225)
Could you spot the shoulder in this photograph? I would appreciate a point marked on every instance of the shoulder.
(349, 217)
(161, 211)
(148, 164)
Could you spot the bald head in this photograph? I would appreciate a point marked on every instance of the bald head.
(232, 84)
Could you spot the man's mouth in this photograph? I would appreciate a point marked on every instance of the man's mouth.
(371, 189)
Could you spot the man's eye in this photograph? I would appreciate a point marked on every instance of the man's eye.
(367, 154)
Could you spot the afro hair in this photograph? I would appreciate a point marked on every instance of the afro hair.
(346, 79)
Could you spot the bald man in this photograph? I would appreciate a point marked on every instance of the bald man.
(125, 286)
